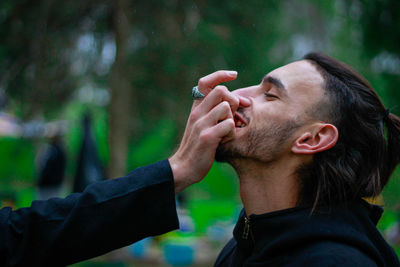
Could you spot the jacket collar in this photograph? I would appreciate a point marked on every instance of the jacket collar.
(349, 222)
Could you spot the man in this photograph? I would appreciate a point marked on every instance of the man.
(309, 146)
(302, 167)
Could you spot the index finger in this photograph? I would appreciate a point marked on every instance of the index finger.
(218, 95)
(207, 83)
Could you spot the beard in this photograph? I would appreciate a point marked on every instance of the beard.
(261, 144)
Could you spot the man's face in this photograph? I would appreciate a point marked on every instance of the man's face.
(277, 115)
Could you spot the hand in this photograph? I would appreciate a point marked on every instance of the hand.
(210, 122)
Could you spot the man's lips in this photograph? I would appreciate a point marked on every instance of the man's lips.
(240, 120)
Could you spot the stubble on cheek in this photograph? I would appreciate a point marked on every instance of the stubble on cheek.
(262, 143)
(266, 144)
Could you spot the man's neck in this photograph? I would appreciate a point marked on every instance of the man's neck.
(267, 187)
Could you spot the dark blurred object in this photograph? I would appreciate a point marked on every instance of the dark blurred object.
(89, 168)
(182, 200)
(51, 166)
(3, 99)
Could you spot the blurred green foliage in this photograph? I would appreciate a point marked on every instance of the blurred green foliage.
(17, 161)
(56, 56)
(158, 144)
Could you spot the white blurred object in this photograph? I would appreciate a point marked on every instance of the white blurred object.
(12, 127)
(9, 126)
(220, 231)
(393, 234)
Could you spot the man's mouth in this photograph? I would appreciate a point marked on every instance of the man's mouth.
(240, 120)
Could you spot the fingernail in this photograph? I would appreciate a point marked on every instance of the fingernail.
(232, 73)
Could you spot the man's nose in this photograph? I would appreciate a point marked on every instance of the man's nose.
(247, 92)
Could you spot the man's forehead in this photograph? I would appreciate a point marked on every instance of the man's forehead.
(298, 74)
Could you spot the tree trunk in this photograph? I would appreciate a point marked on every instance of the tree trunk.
(120, 109)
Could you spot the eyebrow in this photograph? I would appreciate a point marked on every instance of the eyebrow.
(276, 82)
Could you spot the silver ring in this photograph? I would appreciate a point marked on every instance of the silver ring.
(196, 94)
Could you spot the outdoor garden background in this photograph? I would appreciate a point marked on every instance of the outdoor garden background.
(131, 65)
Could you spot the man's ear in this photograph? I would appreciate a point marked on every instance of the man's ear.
(322, 137)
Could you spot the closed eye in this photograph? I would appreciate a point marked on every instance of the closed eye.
(268, 95)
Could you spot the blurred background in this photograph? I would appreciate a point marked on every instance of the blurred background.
(92, 89)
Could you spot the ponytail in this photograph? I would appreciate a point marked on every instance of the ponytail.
(368, 149)
(393, 135)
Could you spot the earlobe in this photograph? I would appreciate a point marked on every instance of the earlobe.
(324, 138)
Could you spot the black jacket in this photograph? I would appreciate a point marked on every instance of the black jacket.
(106, 216)
(340, 236)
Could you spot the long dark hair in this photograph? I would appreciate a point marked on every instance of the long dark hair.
(368, 148)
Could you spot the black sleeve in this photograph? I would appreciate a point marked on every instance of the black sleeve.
(106, 216)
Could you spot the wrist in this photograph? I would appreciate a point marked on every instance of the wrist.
(177, 168)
